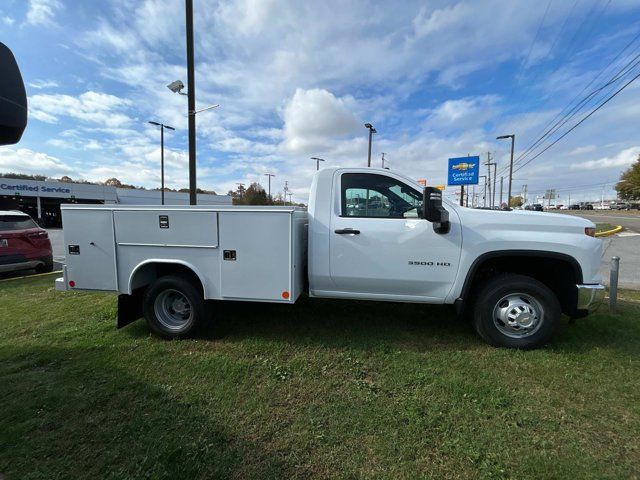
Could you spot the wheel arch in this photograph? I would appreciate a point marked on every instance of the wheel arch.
(149, 270)
(561, 281)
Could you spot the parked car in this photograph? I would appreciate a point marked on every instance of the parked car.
(23, 244)
(586, 206)
(575, 206)
(537, 207)
(621, 206)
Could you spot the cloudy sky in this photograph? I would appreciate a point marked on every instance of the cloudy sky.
(297, 79)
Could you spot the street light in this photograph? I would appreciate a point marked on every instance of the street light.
(162, 127)
(372, 130)
(318, 160)
(513, 141)
(270, 175)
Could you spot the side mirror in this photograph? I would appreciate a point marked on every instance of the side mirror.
(13, 99)
(433, 211)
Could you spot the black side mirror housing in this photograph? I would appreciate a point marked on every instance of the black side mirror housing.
(433, 211)
(13, 99)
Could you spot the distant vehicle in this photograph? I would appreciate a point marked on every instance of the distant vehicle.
(537, 207)
(621, 206)
(586, 206)
(23, 244)
(575, 206)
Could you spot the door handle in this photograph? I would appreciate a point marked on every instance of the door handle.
(345, 231)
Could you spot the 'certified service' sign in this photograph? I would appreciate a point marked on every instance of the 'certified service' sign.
(464, 171)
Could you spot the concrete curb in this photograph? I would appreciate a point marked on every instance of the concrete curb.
(606, 233)
(33, 275)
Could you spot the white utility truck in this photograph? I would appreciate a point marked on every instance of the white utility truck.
(368, 234)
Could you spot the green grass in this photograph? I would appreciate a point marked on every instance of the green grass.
(323, 389)
(604, 227)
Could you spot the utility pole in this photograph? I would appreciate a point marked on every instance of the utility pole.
(291, 198)
(524, 194)
(489, 164)
(484, 198)
(501, 181)
(191, 100)
(382, 159)
(513, 142)
(493, 197)
(462, 195)
(270, 175)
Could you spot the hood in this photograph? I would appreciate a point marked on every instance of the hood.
(523, 220)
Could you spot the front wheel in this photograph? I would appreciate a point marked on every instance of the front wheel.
(516, 311)
(174, 307)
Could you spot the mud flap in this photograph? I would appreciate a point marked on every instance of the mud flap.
(130, 307)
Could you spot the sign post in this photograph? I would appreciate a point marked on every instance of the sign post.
(463, 171)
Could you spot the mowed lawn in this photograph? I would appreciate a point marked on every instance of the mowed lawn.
(323, 389)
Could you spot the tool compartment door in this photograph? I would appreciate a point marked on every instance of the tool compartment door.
(256, 256)
(90, 248)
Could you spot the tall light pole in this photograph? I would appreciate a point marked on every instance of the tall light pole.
(372, 130)
(162, 127)
(318, 160)
(513, 141)
(191, 100)
(383, 154)
(270, 175)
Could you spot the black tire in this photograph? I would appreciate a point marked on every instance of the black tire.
(166, 300)
(525, 299)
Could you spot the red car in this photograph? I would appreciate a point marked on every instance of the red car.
(23, 244)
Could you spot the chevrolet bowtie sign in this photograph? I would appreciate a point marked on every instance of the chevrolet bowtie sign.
(463, 171)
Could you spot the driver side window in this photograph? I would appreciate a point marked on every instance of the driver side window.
(371, 195)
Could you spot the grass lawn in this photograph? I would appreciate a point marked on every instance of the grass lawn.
(604, 227)
(323, 389)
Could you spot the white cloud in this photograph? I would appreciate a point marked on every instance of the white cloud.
(24, 160)
(7, 20)
(582, 150)
(623, 158)
(42, 12)
(40, 84)
(313, 119)
(92, 107)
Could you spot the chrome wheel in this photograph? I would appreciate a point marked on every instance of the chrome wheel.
(518, 315)
(173, 309)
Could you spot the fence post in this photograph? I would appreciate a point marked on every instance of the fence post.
(613, 283)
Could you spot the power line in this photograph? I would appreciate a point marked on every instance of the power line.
(623, 72)
(580, 122)
(577, 108)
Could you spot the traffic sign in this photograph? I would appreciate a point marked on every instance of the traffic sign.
(464, 171)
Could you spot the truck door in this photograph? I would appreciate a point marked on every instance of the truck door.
(90, 248)
(380, 247)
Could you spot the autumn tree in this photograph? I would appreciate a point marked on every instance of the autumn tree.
(628, 187)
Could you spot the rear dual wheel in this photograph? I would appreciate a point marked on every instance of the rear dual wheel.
(516, 311)
(174, 307)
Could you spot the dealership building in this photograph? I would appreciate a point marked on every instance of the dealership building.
(42, 199)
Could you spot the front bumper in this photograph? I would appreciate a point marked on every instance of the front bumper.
(590, 296)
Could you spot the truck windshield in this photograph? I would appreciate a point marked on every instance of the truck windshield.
(378, 196)
(16, 222)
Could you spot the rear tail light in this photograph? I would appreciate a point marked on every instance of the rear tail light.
(591, 231)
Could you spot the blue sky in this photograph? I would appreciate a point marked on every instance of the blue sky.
(297, 79)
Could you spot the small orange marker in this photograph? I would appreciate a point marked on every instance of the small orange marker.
(285, 295)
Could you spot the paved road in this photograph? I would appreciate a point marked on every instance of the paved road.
(630, 221)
